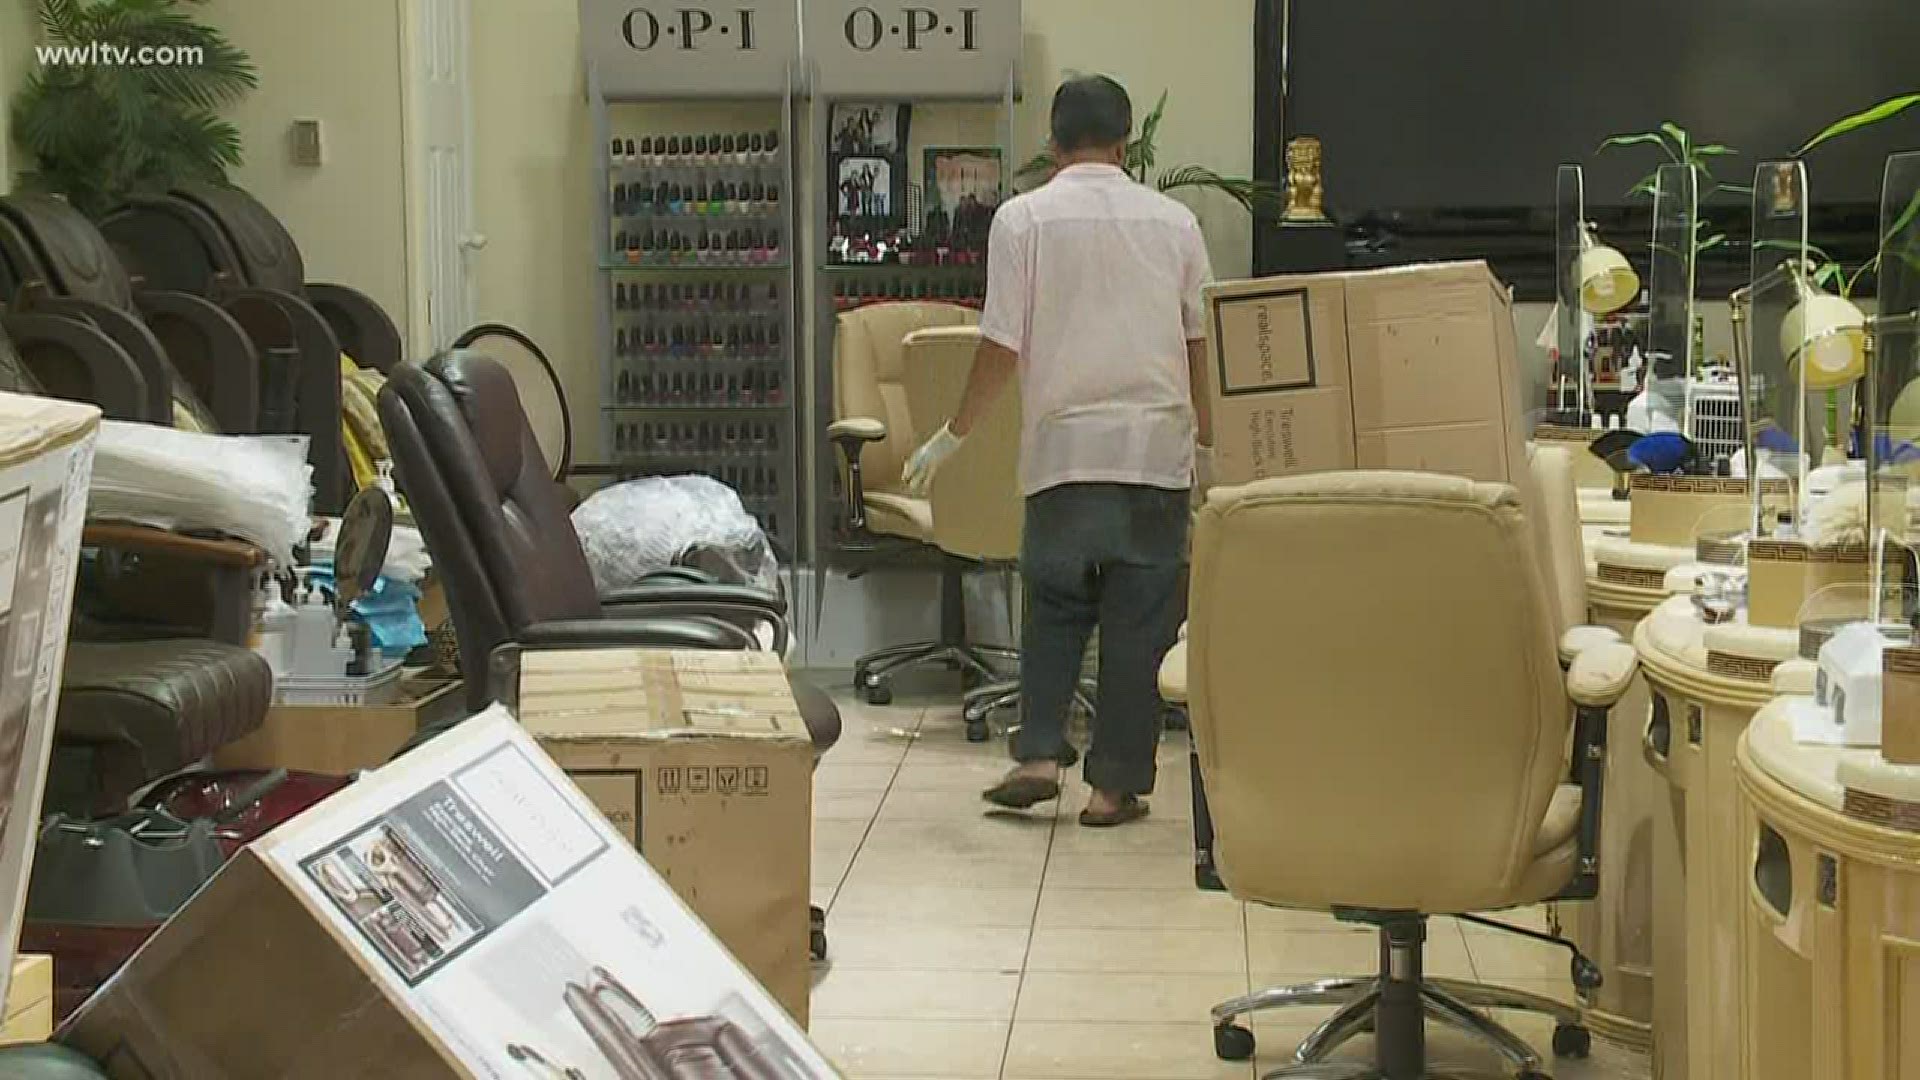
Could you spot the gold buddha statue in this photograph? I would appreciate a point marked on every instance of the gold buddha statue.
(1304, 203)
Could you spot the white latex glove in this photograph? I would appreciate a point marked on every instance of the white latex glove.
(918, 475)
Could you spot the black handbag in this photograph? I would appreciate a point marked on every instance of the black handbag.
(135, 869)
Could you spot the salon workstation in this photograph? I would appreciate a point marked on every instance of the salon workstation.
(988, 540)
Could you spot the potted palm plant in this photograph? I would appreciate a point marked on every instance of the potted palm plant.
(1142, 164)
(129, 101)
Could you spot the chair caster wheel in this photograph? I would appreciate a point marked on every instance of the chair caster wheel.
(879, 694)
(1587, 976)
(976, 730)
(1231, 1042)
(1572, 1041)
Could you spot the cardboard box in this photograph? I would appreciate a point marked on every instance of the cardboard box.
(46, 464)
(1413, 368)
(463, 912)
(702, 761)
(28, 1017)
(340, 739)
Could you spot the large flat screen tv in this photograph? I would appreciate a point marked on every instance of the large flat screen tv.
(1435, 109)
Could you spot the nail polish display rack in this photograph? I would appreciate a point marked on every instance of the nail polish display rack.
(696, 233)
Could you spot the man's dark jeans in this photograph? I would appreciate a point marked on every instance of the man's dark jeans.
(1112, 556)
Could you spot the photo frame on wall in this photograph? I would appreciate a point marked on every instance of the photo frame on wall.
(964, 187)
(867, 144)
(869, 129)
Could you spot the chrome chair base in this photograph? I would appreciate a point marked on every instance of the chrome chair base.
(872, 675)
(1451, 1002)
(980, 703)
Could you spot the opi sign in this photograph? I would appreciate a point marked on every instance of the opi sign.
(689, 28)
(691, 48)
(913, 29)
(912, 48)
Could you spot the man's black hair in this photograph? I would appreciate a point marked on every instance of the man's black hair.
(1090, 112)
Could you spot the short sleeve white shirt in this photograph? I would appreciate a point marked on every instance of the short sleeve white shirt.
(1094, 280)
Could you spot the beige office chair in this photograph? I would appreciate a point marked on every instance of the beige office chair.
(975, 501)
(1383, 731)
(876, 431)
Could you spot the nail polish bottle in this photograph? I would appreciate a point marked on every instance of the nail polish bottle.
(630, 152)
(699, 150)
(620, 438)
(646, 151)
(773, 199)
(677, 348)
(773, 245)
(773, 146)
(671, 155)
(620, 343)
(773, 340)
(775, 394)
(614, 156)
(646, 390)
(726, 150)
(756, 146)
(619, 297)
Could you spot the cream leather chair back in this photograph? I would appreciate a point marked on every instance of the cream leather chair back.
(977, 508)
(1372, 667)
(868, 380)
(1554, 504)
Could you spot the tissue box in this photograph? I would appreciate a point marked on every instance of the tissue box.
(1900, 705)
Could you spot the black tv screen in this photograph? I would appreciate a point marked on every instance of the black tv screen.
(1471, 105)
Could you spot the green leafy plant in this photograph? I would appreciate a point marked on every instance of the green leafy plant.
(1142, 163)
(99, 133)
(1679, 147)
(1830, 272)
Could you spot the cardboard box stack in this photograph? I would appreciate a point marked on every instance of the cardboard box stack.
(703, 763)
(1413, 368)
(46, 463)
(464, 912)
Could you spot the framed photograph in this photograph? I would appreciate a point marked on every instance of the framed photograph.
(957, 175)
(867, 129)
(867, 187)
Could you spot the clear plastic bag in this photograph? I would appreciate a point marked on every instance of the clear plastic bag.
(255, 487)
(634, 529)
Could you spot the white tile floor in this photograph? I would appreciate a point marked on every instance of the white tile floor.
(968, 945)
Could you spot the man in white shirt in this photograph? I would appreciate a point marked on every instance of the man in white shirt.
(1093, 297)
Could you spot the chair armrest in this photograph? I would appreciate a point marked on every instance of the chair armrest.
(1173, 674)
(857, 430)
(114, 381)
(661, 589)
(852, 435)
(227, 359)
(1582, 638)
(689, 575)
(1600, 675)
(739, 606)
(365, 330)
(146, 540)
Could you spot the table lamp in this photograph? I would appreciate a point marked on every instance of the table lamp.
(1607, 281)
(1830, 333)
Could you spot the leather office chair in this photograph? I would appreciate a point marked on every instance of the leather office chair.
(876, 430)
(1395, 680)
(497, 524)
(516, 577)
(976, 509)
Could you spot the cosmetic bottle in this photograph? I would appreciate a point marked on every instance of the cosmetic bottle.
(775, 395)
(773, 146)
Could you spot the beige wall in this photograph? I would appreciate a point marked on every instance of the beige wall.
(337, 62)
(18, 31)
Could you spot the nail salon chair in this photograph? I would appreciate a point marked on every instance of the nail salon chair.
(881, 524)
(141, 699)
(221, 243)
(195, 361)
(1424, 771)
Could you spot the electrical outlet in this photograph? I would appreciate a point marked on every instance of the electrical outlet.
(309, 148)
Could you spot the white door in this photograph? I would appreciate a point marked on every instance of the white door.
(440, 153)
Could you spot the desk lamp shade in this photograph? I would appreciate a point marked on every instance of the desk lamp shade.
(1830, 333)
(1607, 280)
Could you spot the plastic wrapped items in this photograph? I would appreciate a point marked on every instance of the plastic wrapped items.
(634, 529)
(258, 488)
